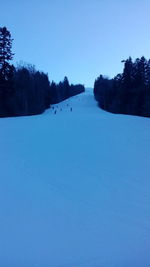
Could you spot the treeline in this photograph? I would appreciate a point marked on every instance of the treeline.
(64, 90)
(128, 92)
(23, 89)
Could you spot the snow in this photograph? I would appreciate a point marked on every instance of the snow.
(75, 188)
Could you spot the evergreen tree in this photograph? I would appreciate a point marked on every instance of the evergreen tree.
(66, 88)
(140, 71)
(127, 75)
(5, 53)
(6, 73)
(127, 93)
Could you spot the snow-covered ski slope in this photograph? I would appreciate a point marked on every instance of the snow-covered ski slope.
(75, 188)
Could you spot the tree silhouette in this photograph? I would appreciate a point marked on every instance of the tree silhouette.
(24, 90)
(5, 52)
(126, 93)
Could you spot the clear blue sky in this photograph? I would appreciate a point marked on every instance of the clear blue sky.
(78, 38)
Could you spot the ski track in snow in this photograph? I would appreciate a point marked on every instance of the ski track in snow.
(75, 188)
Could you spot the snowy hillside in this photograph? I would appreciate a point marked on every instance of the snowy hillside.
(75, 188)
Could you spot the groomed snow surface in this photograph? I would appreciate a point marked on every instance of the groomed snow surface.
(75, 188)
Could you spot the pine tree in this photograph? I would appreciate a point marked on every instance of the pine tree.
(127, 73)
(66, 88)
(5, 53)
(6, 74)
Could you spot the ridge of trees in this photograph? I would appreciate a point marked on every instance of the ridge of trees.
(23, 89)
(128, 92)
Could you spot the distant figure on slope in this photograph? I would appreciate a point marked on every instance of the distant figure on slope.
(70, 109)
(55, 112)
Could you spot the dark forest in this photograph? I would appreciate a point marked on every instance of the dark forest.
(128, 92)
(23, 89)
